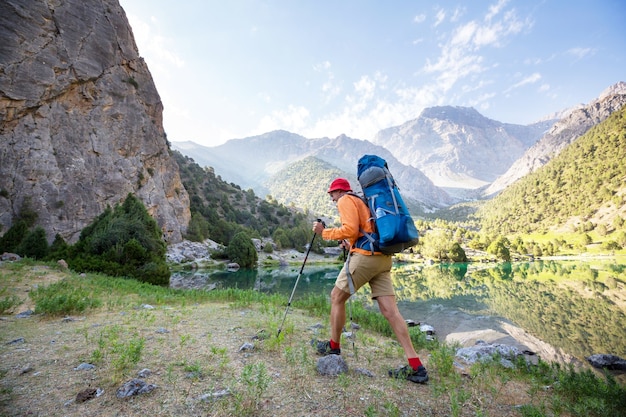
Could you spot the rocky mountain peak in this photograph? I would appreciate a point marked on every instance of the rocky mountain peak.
(457, 147)
(455, 114)
(80, 119)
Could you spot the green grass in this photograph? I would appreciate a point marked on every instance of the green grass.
(8, 303)
(575, 393)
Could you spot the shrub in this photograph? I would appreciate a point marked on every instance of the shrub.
(34, 245)
(10, 241)
(268, 248)
(63, 297)
(8, 303)
(242, 251)
(124, 241)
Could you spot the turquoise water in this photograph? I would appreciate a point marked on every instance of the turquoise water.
(578, 307)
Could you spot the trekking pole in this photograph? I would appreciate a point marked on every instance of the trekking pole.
(298, 279)
(351, 286)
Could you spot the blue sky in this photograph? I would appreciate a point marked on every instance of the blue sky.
(237, 68)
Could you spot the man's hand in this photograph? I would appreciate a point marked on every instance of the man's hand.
(344, 244)
(318, 227)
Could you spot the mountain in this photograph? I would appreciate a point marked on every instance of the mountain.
(221, 209)
(81, 120)
(317, 175)
(582, 186)
(563, 133)
(252, 162)
(457, 147)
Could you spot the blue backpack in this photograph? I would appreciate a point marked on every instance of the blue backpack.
(395, 230)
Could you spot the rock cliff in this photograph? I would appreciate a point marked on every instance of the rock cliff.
(80, 119)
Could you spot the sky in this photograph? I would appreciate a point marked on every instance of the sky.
(319, 68)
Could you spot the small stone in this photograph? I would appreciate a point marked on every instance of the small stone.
(134, 387)
(365, 372)
(246, 346)
(86, 395)
(331, 365)
(144, 373)
(24, 314)
(85, 367)
(213, 395)
(26, 369)
(19, 340)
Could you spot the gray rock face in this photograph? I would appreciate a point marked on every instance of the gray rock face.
(611, 362)
(80, 119)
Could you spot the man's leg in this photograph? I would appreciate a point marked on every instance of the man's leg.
(338, 300)
(415, 371)
(389, 309)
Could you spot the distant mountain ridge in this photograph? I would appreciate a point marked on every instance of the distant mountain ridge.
(446, 155)
(458, 147)
(561, 135)
(252, 162)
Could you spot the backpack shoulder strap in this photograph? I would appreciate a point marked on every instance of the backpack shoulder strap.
(368, 239)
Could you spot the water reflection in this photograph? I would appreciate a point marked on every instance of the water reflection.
(314, 280)
(576, 307)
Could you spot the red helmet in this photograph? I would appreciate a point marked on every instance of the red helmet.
(339, 184)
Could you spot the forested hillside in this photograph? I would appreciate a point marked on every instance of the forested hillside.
(312, 174)
(219, 210)
(583, 187)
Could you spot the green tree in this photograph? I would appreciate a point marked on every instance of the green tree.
(242, 251)
(456, 253)
(198, 229)
(281, 238)
(34, 245)
(436, 244)
(58, 248)
(499, 248)
(10, 241)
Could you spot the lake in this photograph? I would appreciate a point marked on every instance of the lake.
(562, 310)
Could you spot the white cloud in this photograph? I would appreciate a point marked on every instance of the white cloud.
(322, 66)
(156, 49)
(293, 119)
(531, 79)
(439, 17)
(420, 18)
(580, 53)
(456, 16)
(495, 9)
(460, 56)
(330, 88)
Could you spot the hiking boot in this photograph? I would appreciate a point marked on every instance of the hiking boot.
(323, 348)
(406, 372)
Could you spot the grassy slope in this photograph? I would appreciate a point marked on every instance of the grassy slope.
(199, 355)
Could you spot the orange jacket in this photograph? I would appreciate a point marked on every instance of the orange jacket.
(354, 215)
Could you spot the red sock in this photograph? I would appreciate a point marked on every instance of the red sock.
(333, 344)
(414, 363)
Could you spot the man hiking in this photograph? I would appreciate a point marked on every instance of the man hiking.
(363, 267)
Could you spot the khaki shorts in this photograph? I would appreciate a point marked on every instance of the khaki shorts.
(368, 269)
